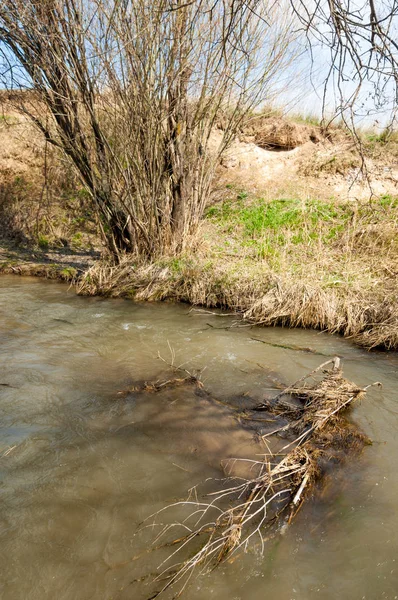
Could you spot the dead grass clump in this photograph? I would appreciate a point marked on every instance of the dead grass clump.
(318, 410)
(383, 330)
(296, 305)
(179, 279)
(377, 237)
(247, 511)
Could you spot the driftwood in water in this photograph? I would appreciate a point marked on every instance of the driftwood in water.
(157, 386)
(185, 378)
(252, 509)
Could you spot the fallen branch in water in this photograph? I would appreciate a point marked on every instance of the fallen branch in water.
(290, 347)
(157, 386)
(259, 506)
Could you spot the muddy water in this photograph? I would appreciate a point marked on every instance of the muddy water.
(81, 466)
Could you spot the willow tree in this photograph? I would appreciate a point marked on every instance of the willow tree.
(130, 90)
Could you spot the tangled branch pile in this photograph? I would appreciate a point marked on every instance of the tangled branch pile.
(253, 508)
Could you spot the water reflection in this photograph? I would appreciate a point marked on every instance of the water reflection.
(82, 466)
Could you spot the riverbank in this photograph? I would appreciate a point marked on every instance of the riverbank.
(306, 263)
(290, 236)
(60, 264)
(330, 266)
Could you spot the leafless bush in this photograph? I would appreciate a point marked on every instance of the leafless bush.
(130, 91)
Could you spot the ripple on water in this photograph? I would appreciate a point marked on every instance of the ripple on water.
(81, 466)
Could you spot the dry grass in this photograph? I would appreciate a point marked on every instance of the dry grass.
(336, 159)
(312, 265)
(250, 510)
(380, 144)
(41, 201)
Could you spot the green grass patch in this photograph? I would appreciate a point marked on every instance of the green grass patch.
(68, 273)
(43, 241)
(388, 201)
(281, 219)
(288, 231)
(278, 214)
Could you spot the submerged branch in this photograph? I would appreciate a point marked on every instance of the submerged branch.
(264, 503)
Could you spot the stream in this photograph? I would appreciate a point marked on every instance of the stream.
(83, 465)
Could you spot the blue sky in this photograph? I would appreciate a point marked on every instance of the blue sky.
(302, 89)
